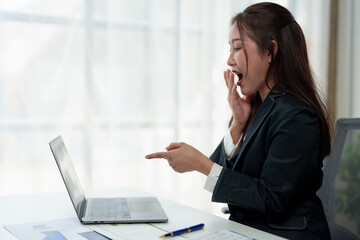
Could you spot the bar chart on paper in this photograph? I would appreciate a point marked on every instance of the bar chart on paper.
(53, 235)
(62, 229)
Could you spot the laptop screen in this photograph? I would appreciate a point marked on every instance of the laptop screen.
(68, 174)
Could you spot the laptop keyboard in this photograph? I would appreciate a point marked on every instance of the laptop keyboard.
(107, 209)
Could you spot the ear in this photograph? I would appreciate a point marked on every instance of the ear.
(275, 47)
(273, 50)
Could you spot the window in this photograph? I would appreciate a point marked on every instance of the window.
(118, 80)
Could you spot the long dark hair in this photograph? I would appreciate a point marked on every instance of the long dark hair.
(289, 69)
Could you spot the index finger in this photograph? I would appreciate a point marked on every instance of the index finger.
(156, 155)
(227, 77)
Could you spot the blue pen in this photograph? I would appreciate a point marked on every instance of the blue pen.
(185, 230)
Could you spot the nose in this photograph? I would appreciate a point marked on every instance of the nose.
(231, 61)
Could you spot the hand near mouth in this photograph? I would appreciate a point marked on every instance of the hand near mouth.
(240, 107)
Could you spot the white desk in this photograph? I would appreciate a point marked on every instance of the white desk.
(43, 207)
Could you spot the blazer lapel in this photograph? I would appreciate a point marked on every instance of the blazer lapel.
(259, 118)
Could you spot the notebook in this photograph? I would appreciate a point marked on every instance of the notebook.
(103, 210)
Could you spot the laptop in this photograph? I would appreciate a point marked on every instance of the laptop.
(103, 210)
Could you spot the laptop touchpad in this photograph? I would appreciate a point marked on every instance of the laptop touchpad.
(136, 207)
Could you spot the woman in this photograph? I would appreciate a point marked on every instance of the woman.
(268, 166)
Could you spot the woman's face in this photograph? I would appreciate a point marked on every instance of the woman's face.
(252, 72)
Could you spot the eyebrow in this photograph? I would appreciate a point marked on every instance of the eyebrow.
(236, 39)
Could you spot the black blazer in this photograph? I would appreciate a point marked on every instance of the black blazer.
(271, 184)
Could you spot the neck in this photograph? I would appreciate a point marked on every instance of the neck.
(265, 91)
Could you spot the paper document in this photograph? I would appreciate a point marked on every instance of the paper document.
(62, 229)
(154, 231)
(129, 231)
(222, 235)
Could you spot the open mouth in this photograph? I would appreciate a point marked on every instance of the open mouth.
(240, 77)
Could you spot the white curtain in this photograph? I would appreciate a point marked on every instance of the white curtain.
(119, 79)
(348, 60)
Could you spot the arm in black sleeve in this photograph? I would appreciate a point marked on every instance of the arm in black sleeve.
(219, 156)
(291, 160)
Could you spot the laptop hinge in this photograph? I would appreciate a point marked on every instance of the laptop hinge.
(82, 209)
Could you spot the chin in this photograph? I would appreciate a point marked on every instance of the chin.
(244, 92)
(247, 92)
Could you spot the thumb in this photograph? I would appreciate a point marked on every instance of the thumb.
(173, 146)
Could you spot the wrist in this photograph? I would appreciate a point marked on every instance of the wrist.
(237, 125)
(205, 165)
(236, 132)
